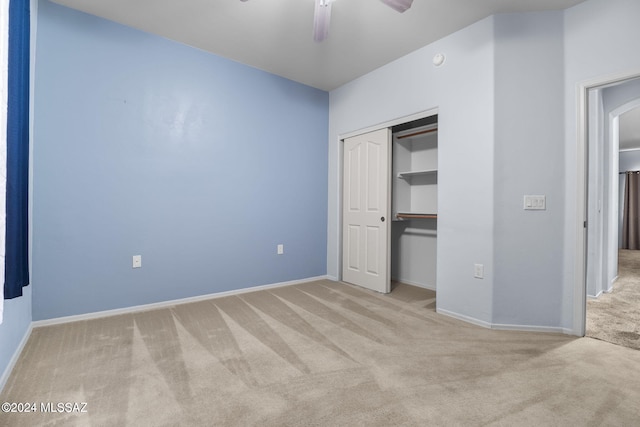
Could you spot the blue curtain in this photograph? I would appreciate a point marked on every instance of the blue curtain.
(17, 231)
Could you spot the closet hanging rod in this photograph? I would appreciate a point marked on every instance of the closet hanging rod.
(417, 133)
(416, 216)
(622, 173)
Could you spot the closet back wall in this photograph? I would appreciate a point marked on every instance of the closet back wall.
(145, 146)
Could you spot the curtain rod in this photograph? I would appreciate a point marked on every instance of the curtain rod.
(622, 173)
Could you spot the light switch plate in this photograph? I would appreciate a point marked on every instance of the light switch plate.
(478, 271)
(137, 261)
(535, 203)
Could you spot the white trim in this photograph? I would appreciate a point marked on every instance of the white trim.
(606, 291)
(505, 327)
(611, 285)
(594, 296)
(624, 108)
(580, 260)
(14, 359)
(464, 318)
(390, 123)
(163, 304)
(531, 328)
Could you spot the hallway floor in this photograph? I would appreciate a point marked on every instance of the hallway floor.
(615, 317)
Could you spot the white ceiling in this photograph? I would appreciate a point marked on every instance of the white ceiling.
(276, 35)
(629, 133)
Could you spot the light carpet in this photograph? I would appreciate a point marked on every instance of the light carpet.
(615, 317)
(318, 354)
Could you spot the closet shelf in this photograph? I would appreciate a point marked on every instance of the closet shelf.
(416, 216)
(410, 174)
(410, 134)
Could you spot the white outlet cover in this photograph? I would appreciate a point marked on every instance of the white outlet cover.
(137, 261)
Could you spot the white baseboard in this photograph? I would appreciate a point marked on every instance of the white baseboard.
(530, 328)
(505, 327)
(463, 317)
(594, 296)
(14, 359)
(606, 291)
(163, 304)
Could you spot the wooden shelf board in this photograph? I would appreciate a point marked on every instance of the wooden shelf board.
(404, 215)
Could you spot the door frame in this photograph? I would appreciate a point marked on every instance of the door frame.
(341, 137)
(582, 191)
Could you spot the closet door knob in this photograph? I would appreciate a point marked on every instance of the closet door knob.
(382, 219)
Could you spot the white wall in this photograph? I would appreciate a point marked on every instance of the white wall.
(601, 40)
(528, 160)
(508, 99)
(629, 161)
(414, 252)
(462, 89)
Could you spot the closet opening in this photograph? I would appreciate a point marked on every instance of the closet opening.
(390, 207)
(414, 203)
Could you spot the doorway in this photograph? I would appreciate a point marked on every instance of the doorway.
(612, 274)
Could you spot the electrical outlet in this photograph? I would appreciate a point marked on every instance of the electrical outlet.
(478, 271)
(137, 261)
(280, 249)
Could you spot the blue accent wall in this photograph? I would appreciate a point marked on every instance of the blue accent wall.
(144, 146)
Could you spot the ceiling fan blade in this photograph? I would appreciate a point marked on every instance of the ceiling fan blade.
(399, 5)
(321, 19)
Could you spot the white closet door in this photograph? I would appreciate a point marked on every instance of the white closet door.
(366, 210)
